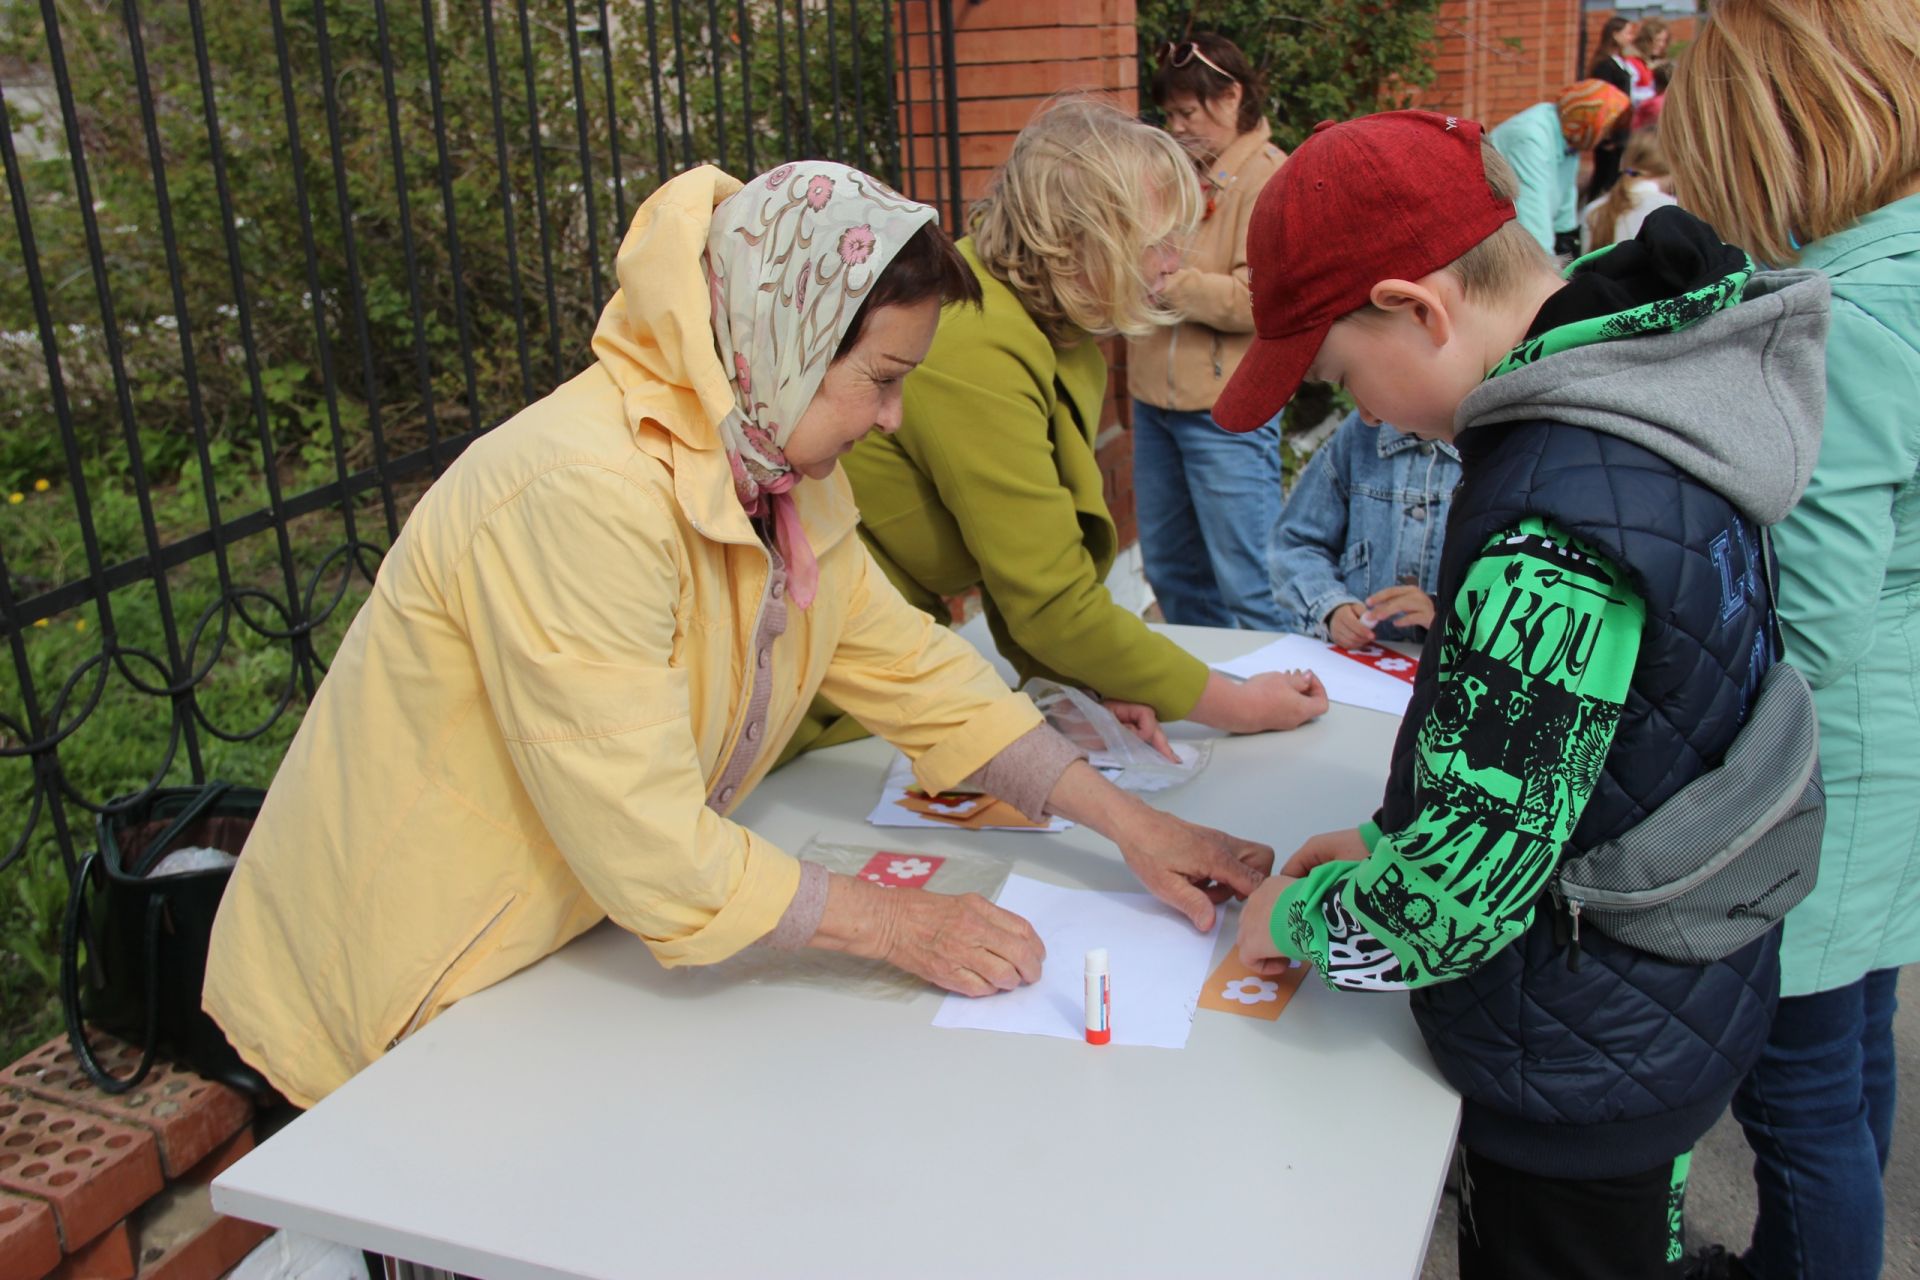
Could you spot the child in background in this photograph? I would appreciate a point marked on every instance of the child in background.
(1643, 187)
(1604, 621)
(1356, 555)
(1646, 115)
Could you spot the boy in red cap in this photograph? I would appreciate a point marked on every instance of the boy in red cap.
(1625, 430)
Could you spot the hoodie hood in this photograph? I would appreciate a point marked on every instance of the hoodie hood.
(655, 341)
(655, 337)
(1735, 398)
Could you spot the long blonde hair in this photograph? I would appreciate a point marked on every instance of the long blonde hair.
(1085, 193)
(1789, 120)
(1643, 158)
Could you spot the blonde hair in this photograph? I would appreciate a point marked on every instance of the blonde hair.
(1085, 193)
(1643, 158)
(1788, 120)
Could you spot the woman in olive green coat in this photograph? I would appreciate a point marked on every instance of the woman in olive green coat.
(992, 482)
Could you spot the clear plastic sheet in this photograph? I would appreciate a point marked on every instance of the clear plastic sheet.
(956, 872)
(1111, 747)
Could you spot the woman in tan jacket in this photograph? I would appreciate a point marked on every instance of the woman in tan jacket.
(1207, 500)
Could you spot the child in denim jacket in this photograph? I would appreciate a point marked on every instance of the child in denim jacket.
(1356, 555)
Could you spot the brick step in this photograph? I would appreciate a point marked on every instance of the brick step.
(188, 1116)
(178, 1235)
(99, 1186)
(29, 1241)
(91, 1171)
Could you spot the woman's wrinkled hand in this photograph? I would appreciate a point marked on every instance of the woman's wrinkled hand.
(1145, 725)
(1193, 868)
(959, 942)
(1270, 700)
(1281, 700)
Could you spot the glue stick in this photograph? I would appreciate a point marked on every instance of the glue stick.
(1099, 998)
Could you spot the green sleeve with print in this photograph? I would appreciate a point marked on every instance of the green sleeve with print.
(1534, 666)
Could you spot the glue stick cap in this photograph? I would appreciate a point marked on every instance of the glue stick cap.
(1097, 960)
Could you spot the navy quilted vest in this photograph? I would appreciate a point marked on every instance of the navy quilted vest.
(1624, 1062)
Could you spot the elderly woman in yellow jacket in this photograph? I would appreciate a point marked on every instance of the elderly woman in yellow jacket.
(598, 629)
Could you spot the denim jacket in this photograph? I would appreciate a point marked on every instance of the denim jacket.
(1370, 509)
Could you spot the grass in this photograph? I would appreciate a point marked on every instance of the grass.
(124, 737)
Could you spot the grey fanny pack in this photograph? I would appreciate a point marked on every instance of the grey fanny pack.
(1728, 854)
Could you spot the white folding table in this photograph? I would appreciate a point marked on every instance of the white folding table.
(598, 1116)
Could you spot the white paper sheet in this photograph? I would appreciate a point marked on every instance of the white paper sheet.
(1353, 683)
(1158, 962)
(891, 813)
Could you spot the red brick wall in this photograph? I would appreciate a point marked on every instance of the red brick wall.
(1011, 55)
(1494, 58)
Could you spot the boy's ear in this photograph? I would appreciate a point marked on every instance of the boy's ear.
(1412, 300)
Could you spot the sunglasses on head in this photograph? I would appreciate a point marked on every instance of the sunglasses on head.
(1180, 53)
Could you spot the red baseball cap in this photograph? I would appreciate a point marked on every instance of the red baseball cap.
(1399, 194)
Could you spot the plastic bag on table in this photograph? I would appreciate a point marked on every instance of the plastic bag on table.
(903, 869)
(1112, 747)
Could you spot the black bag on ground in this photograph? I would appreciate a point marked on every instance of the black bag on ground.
(147, 935)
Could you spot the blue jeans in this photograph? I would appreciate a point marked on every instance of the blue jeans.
(1207, 502)
(1818, 1113)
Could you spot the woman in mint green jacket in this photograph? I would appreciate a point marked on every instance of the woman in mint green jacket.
(1795, 129)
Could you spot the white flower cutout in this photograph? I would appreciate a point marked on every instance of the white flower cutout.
(1251, 991)
(909, 868)
(1395, 664)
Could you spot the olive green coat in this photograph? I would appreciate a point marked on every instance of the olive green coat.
(992, 482)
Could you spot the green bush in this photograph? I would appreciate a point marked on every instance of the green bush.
(1320, 59)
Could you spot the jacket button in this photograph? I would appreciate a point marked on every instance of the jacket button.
(726, 795)
(766, 656)
(779, 587)
(753, 732)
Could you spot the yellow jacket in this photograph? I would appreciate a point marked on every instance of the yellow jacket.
(519, 733)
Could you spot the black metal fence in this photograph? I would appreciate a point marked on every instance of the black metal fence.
(275, 265)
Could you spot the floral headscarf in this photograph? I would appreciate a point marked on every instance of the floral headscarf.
(790, 258)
